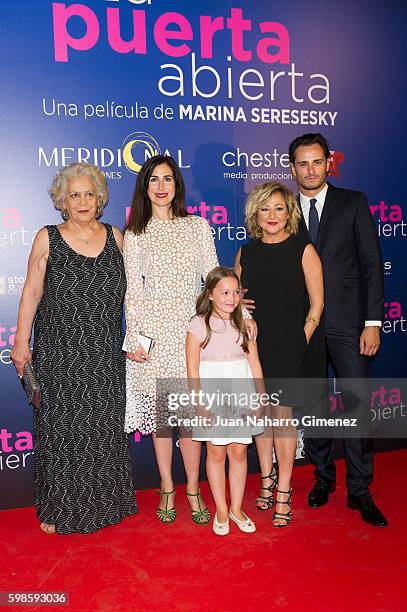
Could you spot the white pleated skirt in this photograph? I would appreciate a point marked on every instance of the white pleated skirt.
(229, 385)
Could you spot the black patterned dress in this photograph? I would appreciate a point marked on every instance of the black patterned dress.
(83, 476)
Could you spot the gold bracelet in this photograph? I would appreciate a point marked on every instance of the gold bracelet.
(312, 319)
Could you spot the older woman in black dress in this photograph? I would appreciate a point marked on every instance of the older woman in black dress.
(74, 294)
(282, 273)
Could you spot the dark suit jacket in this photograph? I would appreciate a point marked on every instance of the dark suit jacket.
(348, 246)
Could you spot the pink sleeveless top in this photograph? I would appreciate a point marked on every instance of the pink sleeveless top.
(225, 343)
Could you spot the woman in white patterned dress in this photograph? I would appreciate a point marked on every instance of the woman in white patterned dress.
(167, 252)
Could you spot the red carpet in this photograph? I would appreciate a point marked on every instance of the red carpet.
(327, 560)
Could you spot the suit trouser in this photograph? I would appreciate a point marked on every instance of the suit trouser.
(342, 348)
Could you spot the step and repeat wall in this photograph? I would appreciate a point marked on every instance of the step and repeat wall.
(223, 87)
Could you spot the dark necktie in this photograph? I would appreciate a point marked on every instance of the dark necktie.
(313, 221)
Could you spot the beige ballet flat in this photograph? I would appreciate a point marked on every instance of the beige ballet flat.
(221, 529)
(247, 526)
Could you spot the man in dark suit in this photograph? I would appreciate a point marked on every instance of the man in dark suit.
(339, 223)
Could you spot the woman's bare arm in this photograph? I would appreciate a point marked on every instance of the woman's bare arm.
(31, 297)
(311, 264)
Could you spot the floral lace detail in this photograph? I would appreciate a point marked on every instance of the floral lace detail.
(165, 267)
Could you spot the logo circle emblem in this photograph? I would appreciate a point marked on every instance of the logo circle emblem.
(134, 150)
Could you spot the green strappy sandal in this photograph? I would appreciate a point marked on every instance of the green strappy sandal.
(166, 516)
(201, 516)
(269, 500)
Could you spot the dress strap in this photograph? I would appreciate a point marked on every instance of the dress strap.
(52, 230)
(111, 240)
(56, 242)
(109, 230)
(54, 235)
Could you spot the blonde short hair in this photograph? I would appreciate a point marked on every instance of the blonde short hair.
(261, 194)
(59, 185)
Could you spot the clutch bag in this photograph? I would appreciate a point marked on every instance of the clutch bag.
(145, 341)
(31, 386)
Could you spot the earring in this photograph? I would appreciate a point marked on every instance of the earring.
(65, 214)
(98, 211)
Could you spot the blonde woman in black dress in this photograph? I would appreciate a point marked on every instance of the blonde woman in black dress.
(282, 273)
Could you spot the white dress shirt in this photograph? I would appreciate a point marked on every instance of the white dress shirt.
(319, 205)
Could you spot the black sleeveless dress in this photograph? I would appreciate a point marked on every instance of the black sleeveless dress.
(274, 277)
(83, 474)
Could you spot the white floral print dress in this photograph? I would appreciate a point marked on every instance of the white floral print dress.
(165, 267)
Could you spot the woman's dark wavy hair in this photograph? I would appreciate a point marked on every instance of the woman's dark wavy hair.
(204, 306)
(305, 141)
(141, 210)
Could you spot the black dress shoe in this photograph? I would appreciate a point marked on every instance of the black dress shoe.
(369, 512)
(319, 494)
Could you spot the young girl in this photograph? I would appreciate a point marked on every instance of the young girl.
(219, 354)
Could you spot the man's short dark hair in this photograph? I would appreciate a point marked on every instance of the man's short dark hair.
(306, 140)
